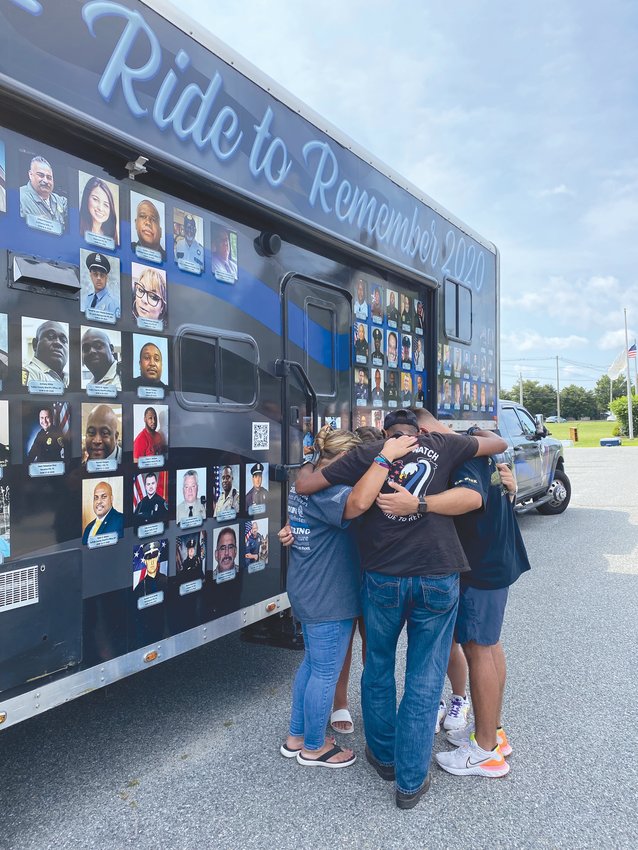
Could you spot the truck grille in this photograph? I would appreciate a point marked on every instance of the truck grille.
(19, 588)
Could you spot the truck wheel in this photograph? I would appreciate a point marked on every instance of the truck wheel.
(561, 492)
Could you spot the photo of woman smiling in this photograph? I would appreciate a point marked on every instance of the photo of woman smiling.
(98, 212)
(149, 297)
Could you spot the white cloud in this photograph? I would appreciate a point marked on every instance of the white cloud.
(534, 341)
(615, 340)
(561, 189)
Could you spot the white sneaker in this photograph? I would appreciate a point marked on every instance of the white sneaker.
(440, 717)
(471, 760)
(461, 737)
(457, 713)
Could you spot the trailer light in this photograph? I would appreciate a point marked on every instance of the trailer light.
(271, 607)
(151, 656)
(3, 717)
(267, 244)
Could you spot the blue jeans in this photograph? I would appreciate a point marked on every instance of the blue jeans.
(314, 687)
(428, 605)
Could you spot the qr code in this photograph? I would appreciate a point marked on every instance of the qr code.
(261, 436)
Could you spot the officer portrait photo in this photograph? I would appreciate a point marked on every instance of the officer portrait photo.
(419, 317)
(190, 495)
(101, 359)
(149, 297)
(226, 491)
(361, 347)
(392, 389)
(150, 426)
(188, 229)
(190, 556)
(45, 353)
(378, 357)
(225, 553)
(360, 305)
(256, 545)
(406, 351)
(99, 212)
(361, 387)
(256, 488)
(100, 280)
(406, 389)
(147, 228)
(43, 202)
(406, 311)
(46, 428)
(102, 429)
(4, 348)
(376, 303)
(150, 361)
(392, 311)
(102, 511)
(377, 393)
(3, 178)
(392, 349)
(150, 497)
(224, 252)
(150, 569)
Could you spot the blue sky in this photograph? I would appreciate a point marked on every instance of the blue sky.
(520, 118)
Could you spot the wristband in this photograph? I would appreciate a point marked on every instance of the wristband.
(384, 459)
(471, 432)
(381, 461)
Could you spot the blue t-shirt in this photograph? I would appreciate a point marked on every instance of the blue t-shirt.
(490, 535)
(323, 579)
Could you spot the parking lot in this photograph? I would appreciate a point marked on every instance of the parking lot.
(186, 755)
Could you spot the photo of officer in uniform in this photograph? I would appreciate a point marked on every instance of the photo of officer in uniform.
(224, 257)
(392, 313)
(419, 395)
(150, 424)
(189, 251)
(102, 429)
(406, 313)
(393, 350)
(419, 358)
(99, 514)
(150, 568)
(392, 390)
(406, 389)
(256, 543)
(361, 388)
(376, 305)
(377, 394)
(41, 207)
(152, 506)
(101, 358)
(45, 352)
(149, 228)
(225, 553)
(378, 357)
(256, 495)
(360, 305)
(46, 429)
(190, 557)
(419, 317)
(100, 279)
(225, 491)
(150, 362)
(361, 347)
(406, 348)
(191, 493)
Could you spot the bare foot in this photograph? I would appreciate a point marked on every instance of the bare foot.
(295, 742)
(341, 725)
(344, 755)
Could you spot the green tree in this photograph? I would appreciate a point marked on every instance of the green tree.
(577, 402)
(620, 409)
(601, 391)
(537, 398)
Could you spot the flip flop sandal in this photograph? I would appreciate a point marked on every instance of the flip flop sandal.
(322, 761)
(342, 715)
(289, 753)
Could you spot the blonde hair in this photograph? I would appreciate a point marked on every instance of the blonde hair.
(330, 442)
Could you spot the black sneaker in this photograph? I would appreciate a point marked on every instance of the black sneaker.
(409, 801)
(385, 771)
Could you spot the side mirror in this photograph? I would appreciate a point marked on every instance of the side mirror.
(541, 430)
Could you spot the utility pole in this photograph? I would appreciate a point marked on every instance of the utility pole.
(557, 390)
(520, 388)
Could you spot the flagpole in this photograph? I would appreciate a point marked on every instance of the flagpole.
(636, 367)
(630, 410)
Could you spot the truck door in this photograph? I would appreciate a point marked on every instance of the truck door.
(522, 432)
(316, 361)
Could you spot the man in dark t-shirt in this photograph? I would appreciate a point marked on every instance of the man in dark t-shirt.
(411, 567)
(489, 533)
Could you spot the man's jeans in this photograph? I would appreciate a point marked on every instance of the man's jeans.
(428, 605)
(314, 686)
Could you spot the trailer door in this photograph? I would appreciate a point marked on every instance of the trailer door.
(317, 320)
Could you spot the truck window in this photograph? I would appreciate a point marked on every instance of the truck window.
(321, 321)
(527, 423)
(510, 421)
(458, 311)
(216, 370)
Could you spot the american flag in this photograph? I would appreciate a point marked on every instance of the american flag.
(631, 351)
(139, 564)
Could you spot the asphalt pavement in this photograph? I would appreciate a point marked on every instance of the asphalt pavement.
(185, 755)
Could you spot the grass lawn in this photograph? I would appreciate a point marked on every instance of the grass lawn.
(589, 433)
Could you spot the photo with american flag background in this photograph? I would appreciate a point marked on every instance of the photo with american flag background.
(139, 564)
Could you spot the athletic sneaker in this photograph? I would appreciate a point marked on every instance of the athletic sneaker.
(457, 713)
(440, 717)
(461, 737)
(471, 760)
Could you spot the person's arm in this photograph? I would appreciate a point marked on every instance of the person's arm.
(367, 488)
(489, 443)
(458, 500)
(310, 480)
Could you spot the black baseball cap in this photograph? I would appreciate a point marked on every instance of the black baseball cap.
(400, 417)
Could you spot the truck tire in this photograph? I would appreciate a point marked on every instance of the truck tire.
(561, 491)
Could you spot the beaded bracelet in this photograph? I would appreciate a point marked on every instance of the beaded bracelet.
(385, 459)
